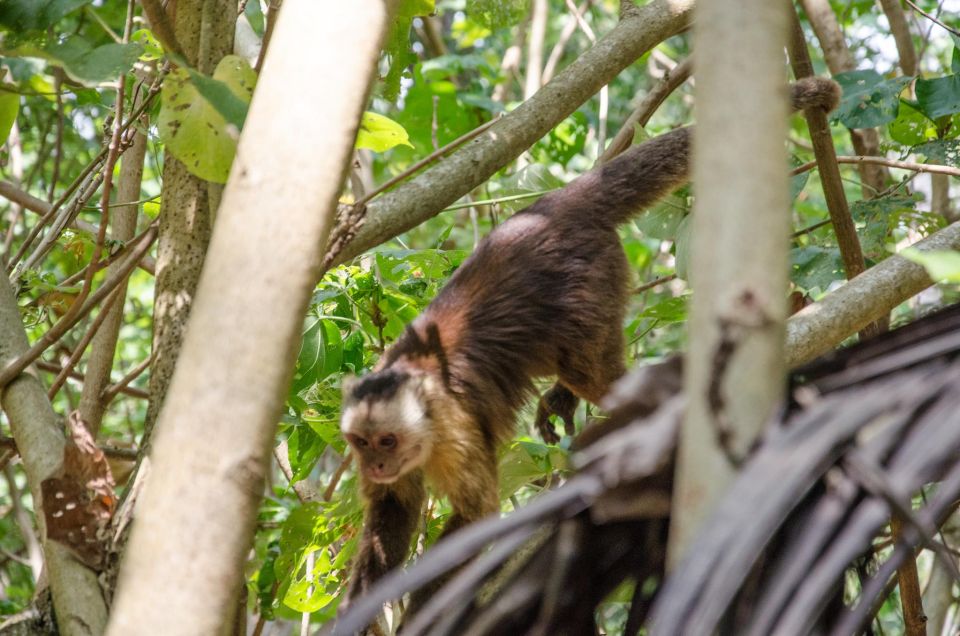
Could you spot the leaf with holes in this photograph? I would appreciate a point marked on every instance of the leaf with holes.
(868, 99)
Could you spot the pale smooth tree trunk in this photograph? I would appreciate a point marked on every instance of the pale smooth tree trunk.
(77, 600)
(739, 263)
(197, 515)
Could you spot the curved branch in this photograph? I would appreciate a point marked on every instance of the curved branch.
(820, 327)
(425, 196)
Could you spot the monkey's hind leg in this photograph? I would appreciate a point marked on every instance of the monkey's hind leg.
(560, 401)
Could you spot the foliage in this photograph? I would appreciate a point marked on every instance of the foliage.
(60, 57)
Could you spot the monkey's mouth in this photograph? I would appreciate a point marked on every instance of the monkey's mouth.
(413, 459)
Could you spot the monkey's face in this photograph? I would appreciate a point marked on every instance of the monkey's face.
(386, 422)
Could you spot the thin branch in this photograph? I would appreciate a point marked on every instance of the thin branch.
(843, 225)
(130, 454)
(656, 282)
(161, 26)
(672, 80)
(81, 347)
(43, 365)
(901, 35)
(270, 18)
(301, 488)
(123, 385)
(335, 479)
(883, 161)
(72, 317)
(535, 40)
(932, 18)
(565, 34)
(58, 143)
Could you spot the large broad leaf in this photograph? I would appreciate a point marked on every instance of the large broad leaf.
(868, 99)
(35, 15)
(379, 133)
(563, 142)
(941, 265)
(527, 185)
(200, 118)
(84, 63)
(670, 310)
(9, 107)
(911, 127)
(496, 14)
(321, 352)
(939, 97)
(663, 220)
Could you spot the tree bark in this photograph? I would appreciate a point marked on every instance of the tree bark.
(123, 220)
(865, 141)
(426, 195)
(204, 29)
(186, 552)
(818, 328)
(77, 600)
(735, 373)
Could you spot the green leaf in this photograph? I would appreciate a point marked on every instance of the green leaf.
(151, 46)
(868, 99)
(35, 15)
(9, 107)
(89, 65)
(663, 220)
(815, 267)
(942, 151)
(941, 265)
(911, 127)
(563, 142)
(200, 117)
(379, 133)
(415, 8)
(668, 311)
(496, 14)
(939, 97)
(534, 179)
(321, 352)
(682, 246)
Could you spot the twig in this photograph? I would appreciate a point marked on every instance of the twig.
(641, 115)
(335, 479)
(270, 18)
(433, 156)
(122, 386)
(301, 488)
(656, 282)
(823, 149)
(58, 143)
(565, 34)
(883, 161)
(535, 40)
(72, 317)
(110, 451)
(80, 180)
(79, 377)
(932, 18)
(81, 347)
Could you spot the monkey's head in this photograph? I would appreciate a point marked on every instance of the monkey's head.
(386, 421)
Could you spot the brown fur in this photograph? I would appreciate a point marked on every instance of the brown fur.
(542, 295)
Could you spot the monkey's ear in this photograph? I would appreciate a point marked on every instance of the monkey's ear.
(347, 384)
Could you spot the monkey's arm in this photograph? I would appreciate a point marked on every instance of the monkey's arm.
(390, 518)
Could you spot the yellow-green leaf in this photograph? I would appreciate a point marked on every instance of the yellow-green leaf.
(379, 133)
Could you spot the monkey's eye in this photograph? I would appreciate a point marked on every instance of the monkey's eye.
(358, 441)
(388, 441)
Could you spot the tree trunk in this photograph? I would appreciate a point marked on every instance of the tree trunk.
(77, 600)
(739, 269)
(184, 563)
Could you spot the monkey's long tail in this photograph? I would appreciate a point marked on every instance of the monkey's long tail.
(642, 175)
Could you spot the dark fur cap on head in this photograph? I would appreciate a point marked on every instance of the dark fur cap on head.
(379, 385)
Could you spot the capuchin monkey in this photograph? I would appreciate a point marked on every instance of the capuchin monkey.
(526, 304)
